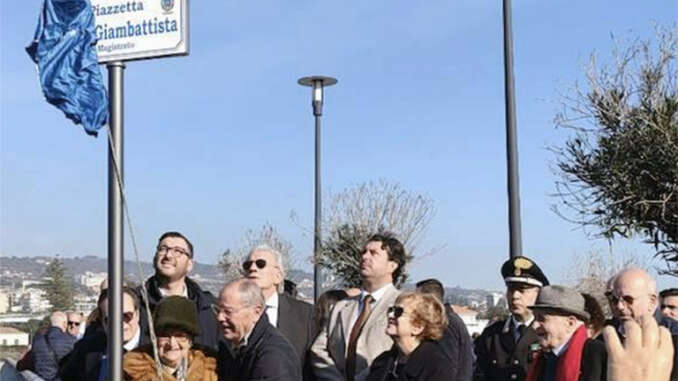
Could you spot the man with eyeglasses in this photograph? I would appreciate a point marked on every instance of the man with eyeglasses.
(505, 348)
(634, 297)
(355, 334)
(253, 348)
(73, 324)
(88, 361)
(292, 317)
(173, 261)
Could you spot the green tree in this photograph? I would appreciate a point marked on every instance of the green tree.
(619, 169)
(352, 216)
(58, 286)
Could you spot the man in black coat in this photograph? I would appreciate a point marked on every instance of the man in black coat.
(84, 363)
(293, 318)
(173, 261)
(253, 348)
(504, 349)
(456, 342)
(566, 351)
(52, 346)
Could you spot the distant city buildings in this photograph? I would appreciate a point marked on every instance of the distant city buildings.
(495, 299)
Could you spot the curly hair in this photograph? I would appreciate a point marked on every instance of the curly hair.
(426, 311)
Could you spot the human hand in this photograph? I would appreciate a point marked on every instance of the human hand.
(647, 353)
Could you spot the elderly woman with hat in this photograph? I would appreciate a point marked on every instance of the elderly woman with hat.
(415, 322)
(567, 354)
(176, 324)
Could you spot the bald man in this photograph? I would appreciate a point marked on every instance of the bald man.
(49, 348)
(634, 297)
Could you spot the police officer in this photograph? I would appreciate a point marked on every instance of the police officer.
(505, 348)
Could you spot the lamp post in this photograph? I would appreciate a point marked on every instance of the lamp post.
(513, 182)
(317, 83)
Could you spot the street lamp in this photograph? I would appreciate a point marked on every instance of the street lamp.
(317, 83)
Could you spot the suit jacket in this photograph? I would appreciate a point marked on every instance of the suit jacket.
(296, 323)
(426, 363)
(499, 357)
(593, 362)
(328, 353)
(266, 356)
(456, 345)
(84, 362)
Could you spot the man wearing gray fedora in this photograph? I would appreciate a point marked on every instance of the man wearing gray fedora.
(567, 354)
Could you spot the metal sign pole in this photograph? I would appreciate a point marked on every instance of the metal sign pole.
(115, 220)
(516, 245)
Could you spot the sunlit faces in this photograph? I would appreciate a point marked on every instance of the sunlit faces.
(173, 345)
(520, 296)
(400, 324)
(553, 330)
(235, 319)
(630, 298)
(173, 258)
(375, 264)
(130, 317)
(73, 324)
(262, 268)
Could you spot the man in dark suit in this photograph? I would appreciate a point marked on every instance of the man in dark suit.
(252, 348)
(504, 349)
(456, 342)
(566, 353)
(85, 362)
(293, 318)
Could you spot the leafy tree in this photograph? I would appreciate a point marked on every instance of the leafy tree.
(267, 235)
(58, 286)
(352, 216)
(619, 170)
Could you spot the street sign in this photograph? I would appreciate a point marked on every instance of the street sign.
(140, 29)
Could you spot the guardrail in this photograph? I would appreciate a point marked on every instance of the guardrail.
(8, 372)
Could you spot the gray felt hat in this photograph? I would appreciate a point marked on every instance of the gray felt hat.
(561, 300)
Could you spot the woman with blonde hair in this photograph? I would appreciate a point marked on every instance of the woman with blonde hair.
(415, 322)
(176, 324)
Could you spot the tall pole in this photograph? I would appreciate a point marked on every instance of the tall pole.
(317, 271)
(115, 220)
(317, 83)
(516, 245)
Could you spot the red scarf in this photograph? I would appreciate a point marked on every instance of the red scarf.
(569, 363)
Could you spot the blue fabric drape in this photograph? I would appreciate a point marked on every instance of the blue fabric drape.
(64, 50)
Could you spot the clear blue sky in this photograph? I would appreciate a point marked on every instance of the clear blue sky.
(222, 140)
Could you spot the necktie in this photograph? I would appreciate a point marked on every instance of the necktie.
(520, 331)
(353, 338)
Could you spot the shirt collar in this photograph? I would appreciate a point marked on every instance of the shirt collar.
(561, 349)
(134, 342)
(516, 323)
(163, 292)
(375, 294)
(273, 301)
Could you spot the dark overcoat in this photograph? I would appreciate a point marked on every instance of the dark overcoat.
(296, 322)
(426, 363)
(499, 357)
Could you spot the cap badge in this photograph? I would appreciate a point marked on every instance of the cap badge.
(520, 264)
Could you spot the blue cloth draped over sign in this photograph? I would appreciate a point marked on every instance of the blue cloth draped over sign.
(64, 50)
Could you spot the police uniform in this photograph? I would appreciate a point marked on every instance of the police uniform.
(504, 350)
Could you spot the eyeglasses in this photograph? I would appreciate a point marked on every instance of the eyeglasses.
(180, 337)
(397, 311)
(614, 299)
(176, 250)
(227, 311)
(74, 323)
(126, 317)
(261, 263)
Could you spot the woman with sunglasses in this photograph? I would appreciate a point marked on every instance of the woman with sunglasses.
(415, 322)
(176, 325)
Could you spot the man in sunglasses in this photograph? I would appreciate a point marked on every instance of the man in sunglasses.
(292, 317)
(173, 261)
(505, 349)
(356, 331)
(73, 324)
(87, 361)
(634, 297)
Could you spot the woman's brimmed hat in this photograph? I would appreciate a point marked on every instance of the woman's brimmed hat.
(176, 312)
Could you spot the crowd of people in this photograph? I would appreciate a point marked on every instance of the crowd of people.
(256, 329)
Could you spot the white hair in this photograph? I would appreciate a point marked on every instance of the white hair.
(250, 294)
(278, 258)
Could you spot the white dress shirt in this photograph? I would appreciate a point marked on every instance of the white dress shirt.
(272, 309)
